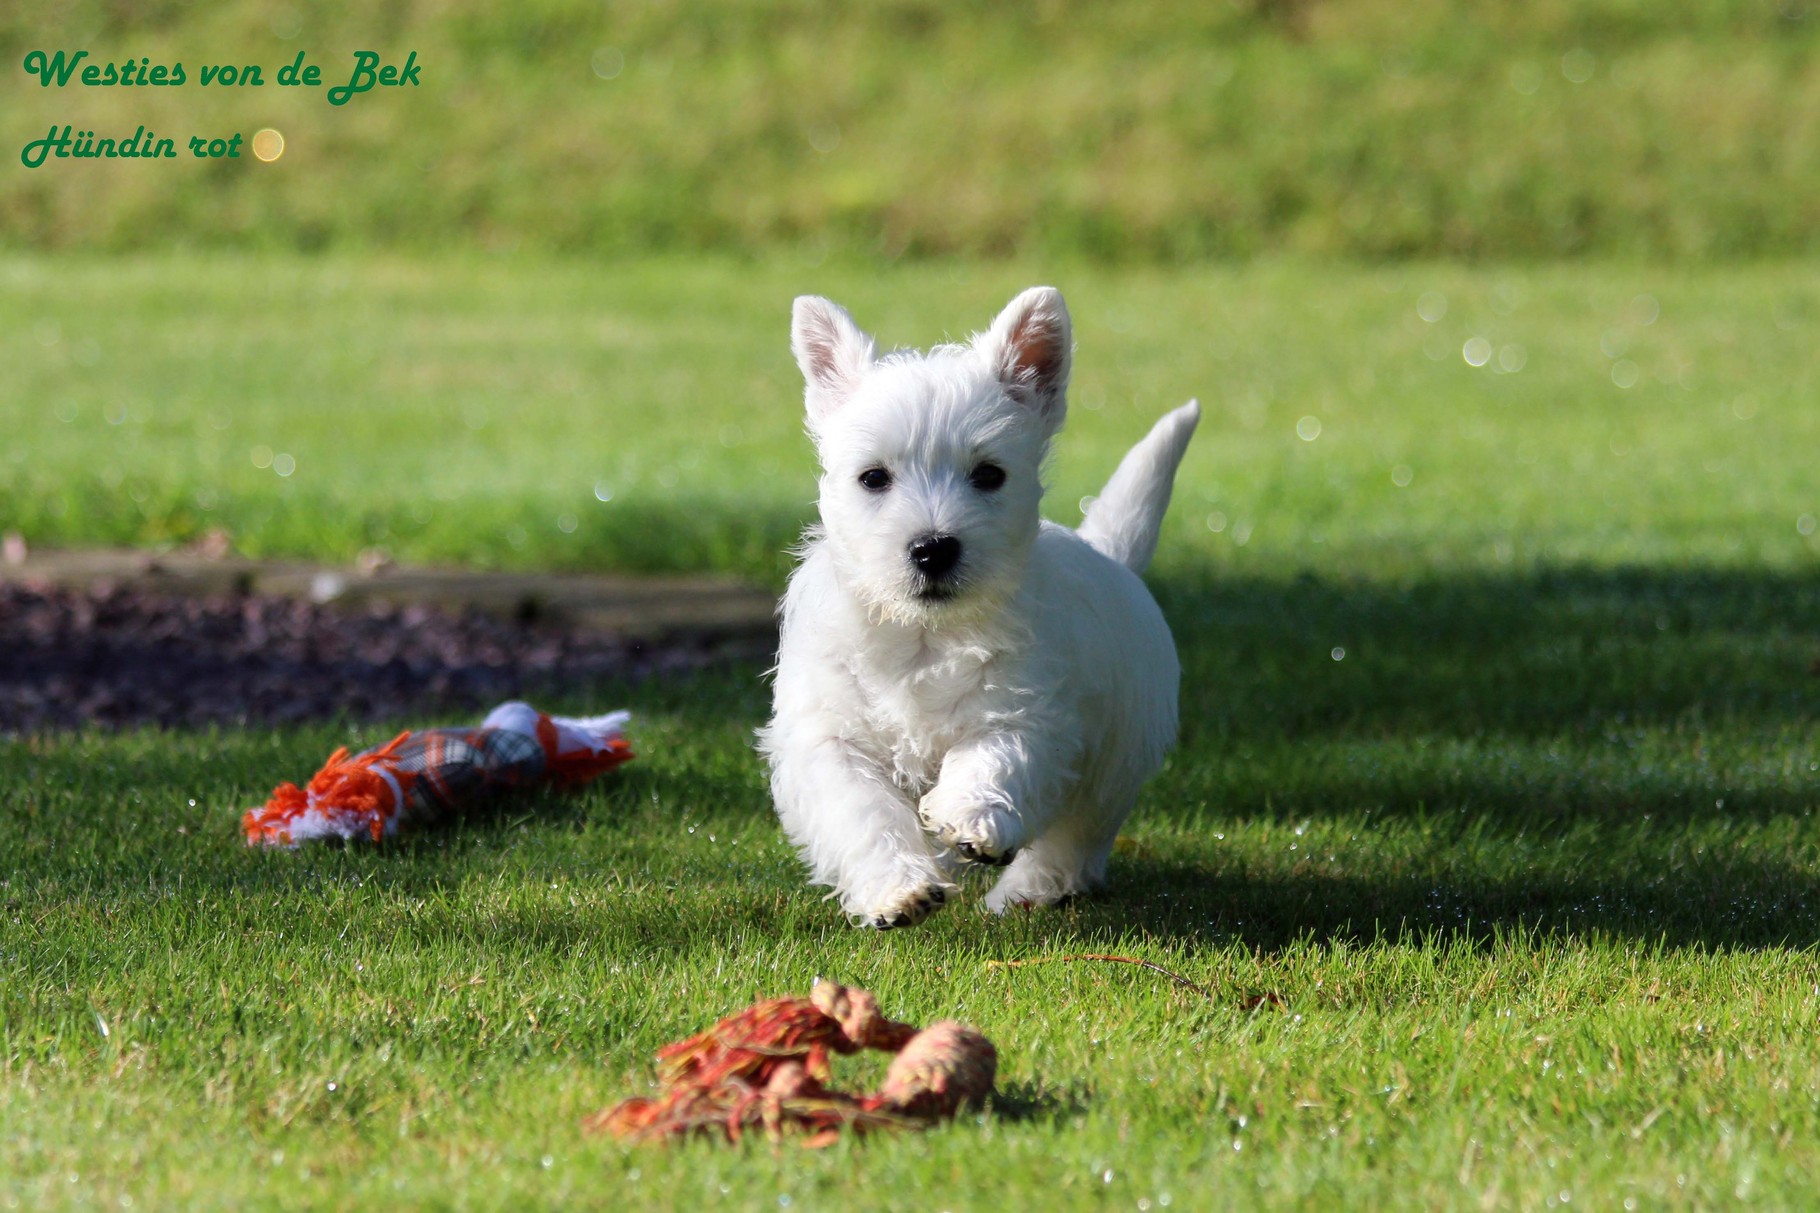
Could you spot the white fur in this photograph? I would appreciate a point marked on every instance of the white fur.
(1018, 714)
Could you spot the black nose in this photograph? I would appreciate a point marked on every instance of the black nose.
(935, 555)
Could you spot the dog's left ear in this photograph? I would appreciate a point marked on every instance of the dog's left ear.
(1030, 345)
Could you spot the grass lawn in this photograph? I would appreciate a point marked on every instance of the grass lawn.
(1491, 834)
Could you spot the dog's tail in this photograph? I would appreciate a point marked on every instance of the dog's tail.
(1123, 520)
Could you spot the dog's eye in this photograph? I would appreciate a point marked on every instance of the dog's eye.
(987, 477)
(875, 480)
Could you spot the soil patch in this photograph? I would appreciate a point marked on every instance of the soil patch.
(127, 641)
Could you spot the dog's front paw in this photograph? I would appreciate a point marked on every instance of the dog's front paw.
(907, 908)
(977, 832)
(977, 851)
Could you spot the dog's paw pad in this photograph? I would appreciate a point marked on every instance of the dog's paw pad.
(972, 852)
(908, 909)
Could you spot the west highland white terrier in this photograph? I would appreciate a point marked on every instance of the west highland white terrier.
(959, 680)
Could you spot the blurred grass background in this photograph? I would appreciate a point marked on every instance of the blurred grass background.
(1364, 128)
(646, 414)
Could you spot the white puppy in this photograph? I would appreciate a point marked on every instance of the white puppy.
(959, 680)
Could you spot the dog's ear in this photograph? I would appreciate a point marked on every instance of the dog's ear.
(831, 350)
(1030, 345)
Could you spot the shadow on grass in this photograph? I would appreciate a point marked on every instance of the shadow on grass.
(1563, 749)
(1037, 1101)
(1737, 902)
(1576, 651)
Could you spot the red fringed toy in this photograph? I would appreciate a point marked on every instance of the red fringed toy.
(426, 773)
(768, 1068)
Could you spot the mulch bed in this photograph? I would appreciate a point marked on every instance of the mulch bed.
(116, 656)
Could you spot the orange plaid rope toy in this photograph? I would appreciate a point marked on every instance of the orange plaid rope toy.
(768, 1068)
(429, 772)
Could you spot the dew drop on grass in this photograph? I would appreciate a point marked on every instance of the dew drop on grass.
(1338, 654)
(1432, 306)
(1476, 351)
(1308, 429)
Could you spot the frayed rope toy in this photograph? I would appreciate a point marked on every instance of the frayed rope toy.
(767, 1068)
(426, 774)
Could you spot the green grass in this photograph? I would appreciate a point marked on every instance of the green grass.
(1369, 128)
(468, 410)
(1532, 867)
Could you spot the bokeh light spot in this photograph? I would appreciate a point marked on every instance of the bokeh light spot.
(608, 62)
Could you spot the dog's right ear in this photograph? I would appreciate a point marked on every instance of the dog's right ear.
(831, 350)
